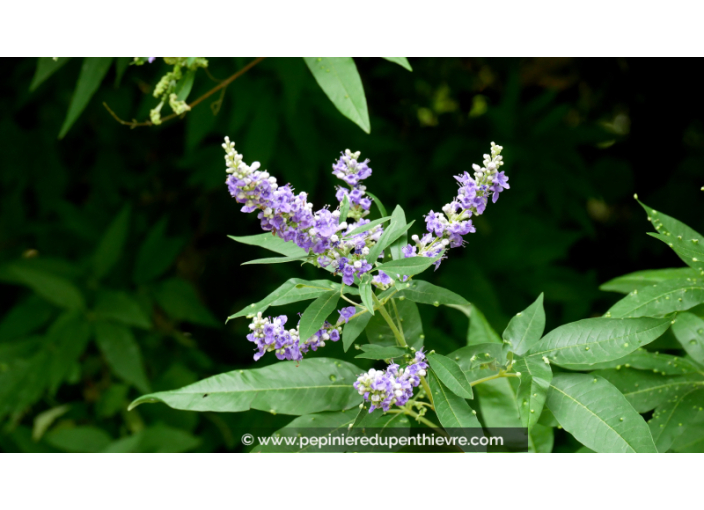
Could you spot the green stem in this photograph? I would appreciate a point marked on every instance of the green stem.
(352, 302)
(398, 317)
(399, 336)
(415, 416)
(495, 376)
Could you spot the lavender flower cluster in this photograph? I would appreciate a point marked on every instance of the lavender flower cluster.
(393, 386)
(269, 334)
(454, 222)
(291, 216)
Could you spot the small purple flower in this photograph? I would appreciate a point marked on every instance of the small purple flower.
(347, 313)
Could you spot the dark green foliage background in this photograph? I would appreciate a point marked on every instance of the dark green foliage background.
(580, 137)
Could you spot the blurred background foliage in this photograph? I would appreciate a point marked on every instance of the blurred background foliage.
(116, 274)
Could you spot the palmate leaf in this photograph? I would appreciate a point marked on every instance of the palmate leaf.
(689, 331)
(273, 243)
(525, 329)
(409, 267)
(660, 299)
(339, 79)
(596, 340)
(314, 316)
(291, 291)
(646, 390)
(533, 390)
(677, 416)
(286, 387)
(689, 250)
(598, 415)
(419, 291)
(451, 375)
(642, 279)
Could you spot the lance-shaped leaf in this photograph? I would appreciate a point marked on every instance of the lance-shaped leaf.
(450, 373)
(379, 205)
(689, 331)
(379, 332)
(121, 350)
(394, 232)
(292, 291)
(663, 298)
(526, 328)
(112, 244)
(366, 227)
(646, 390)
(472, 358)
(339, 79)
(365, 293)
(410, 266)
(533, 390)
(314, 316)
(51, 287)
(641, 279)
(665, 364)
(676, 416)
(453, 411)
(402, 61)
(689, 250)
(333, 423)
(286, 387)
(344, 208)
(480, 331)
(598, 415)
(599, 339)
(275, 260)
(353, 328)
(381, 352)
(273, 243)
(665, 224)
(92, 73)
(423, 292)
(46, 66)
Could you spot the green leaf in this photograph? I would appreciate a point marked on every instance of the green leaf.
(287, 387)
(292, 291)
(46, 66)
(23, 382)
(339, 79)
(533, 390)
(598, 415)
(181, 302)
(641, 359)
(157, 254)
(689, 331)
(121, 307)
(273, 243)
(598, 339)
(642, 279)
(453, 411)
(660, 299)
(396, 228)
(44, 420)
(112, 244)
(334, 424)
(79, 439)
(480, 331)
(344, 208)
(487, 353)
(275, 260)
(352, 330)
(121, 350)
(121, 65)
(402, 61)
(688, 250)
(497, 403)
(24, 318)
(379, 205)
(541, 439)
(68, 338)
(419, 291)
(526, 328)
(647, 390)
(159, 438)
(55, 289)
(365, 293)
(314, 316)
(451, 375)
(665, 224)
(366, 227)
(409, 267)
(379, 332)
(93, 71)
(185, 84)
(380, 352)
(675, 417)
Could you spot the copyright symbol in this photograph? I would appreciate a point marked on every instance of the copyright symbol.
(247, 439)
